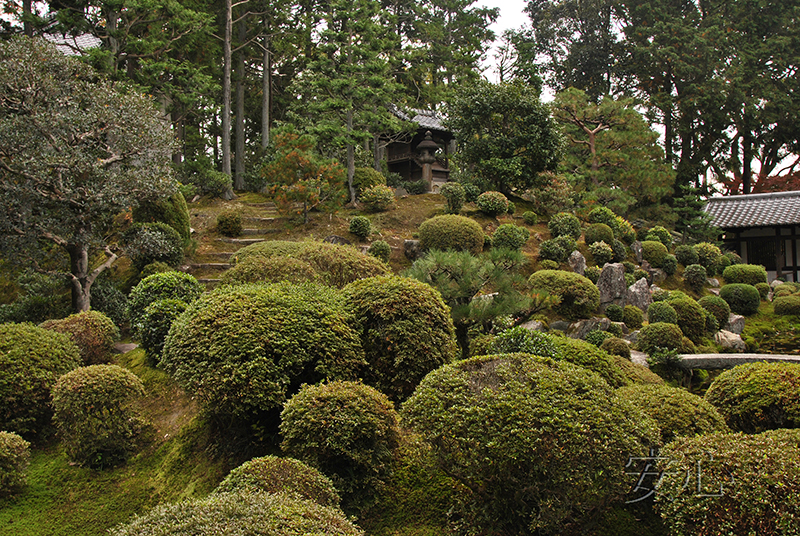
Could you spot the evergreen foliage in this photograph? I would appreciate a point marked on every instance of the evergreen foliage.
(451, 232)
(92, 332)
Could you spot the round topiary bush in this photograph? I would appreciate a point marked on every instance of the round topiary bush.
(670, 265)
(601, 253)
(707, 255)
(92, 332)
(406, 331)
(522, 340)
(677, 412)
(564, 224)
(378, 198)
(592, 273)
(272, 474)
(750, 274)
(360, 226)
(579, 297)
(691, 317)
(347, 430)
(632, 316)
(743, 299)
(590, 357)
(32, 359)
(654, 252)
(512, 208)
(616, 346)
(241, 513)
(763, 289)
(598, 232)
(659, 335)
(365, 178)
(597, 336)
(492, 203)
(154, 325)
(614, 312)
(686, 255)
(510, 236)
(747, 484)
(787, 305)
(696, 277)
(166, 285)
(660, 234)
(336, 265)
(229, 223)
(270, 270)
(717, 307)
(454, 196)
(662, 312)
(758, 396)
(153, 242)
(620, 250)
(530, 218)
(451, 232)
(558, 249)
(14, 458)
(96, 415)
(172, 211)
(539, 444)
(605, 216)
(722, 263)
(381, 250)
(152, 268)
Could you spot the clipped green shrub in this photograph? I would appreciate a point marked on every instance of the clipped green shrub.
(654, 252)
(381, 250)
(691, 317)
(605, 216)
(109, 300)
(616, 346)
(596, 337)
(269, 339)
(347, 430)
(632, 316)
(272, 474)
(785, 289)
(635, 373)
(750, 274)
(717, 307)
(512, 207)
(558, 249)
(229, 223)
(758, 396)
(166, 285)
(270, 270)
(472, 191)
(481, 345)
(659, 335)
(640, 274)
(92, 332)
(336, 265)
(522, 340)
(592, 273)
(259, 513)
(733, 257)
(564, 224)
(598, 232)
(484, 420)
(662, 312)
(660, 234)
(530, 217)
(744, 299)
(660, 294)
(670, 265)
(360, 226)
(173, 211)
(510, 236)
(451, 232)
(763, 289)
(624, 230)
(786, 305)
(379, 198)
(677, 412)
(406, 331)
(152, 268)
(696, 277)
(601, 253)
(454, 196)
(712, 324)
(686, 255)
(749, 484)
(14, 458)
(365, 178)
(615, 330)
(153, 242)
(707, 255)
(492, 203)
(614, 312)
(620, 250)
(629, 267)
(32, 359)
(722, 263)
(579, 297)
(96, 415)
(154, 324)
(590, 357)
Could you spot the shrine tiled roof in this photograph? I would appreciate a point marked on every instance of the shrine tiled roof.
(755, 210)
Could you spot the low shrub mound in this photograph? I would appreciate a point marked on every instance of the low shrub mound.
(268, 340)
(696, 277)
(558, 249)
(380, 250)
(670, 265)
(597, 337)
(743, 299)
(598, 232)
(510, 236)
(564, 224)
(579, 297)
(96, 415)
(758, 396)
(360, 226)
(336, 265)
(750, 274)
(14, 458)
(32, 359)
(590, 357)
(677, 412)
(654, 252)
(154, 324)
(455, 196)
(540, 445)
(241, 513)
(616, 346)
(717, 307)
(272, 474)
(662, 312)
(347, 430)
(749, 484)
(146, 243)
(378, 198)
(92, 332)
(451, 232)
(632, 316)
(787, 305)
(406, 331)
(365, 178)
(229, 223)
(691, 317)
(161, 286)
(605, 216)
(636, 374)
(660, 234)
(763, 289)
(615, 312)
(686, 255)
(173, 211)
(601, 253)
(522, 340)
(492, 203)
(659, 335)
(530, 217)
(270, 270)
(707, 255)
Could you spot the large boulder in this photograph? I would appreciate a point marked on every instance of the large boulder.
(412, 249)
(579, 330)
(639, 295)
(735, 324)
(534, 325)
(611, 285)
(577, 262)
(636, 248)
(730, 341)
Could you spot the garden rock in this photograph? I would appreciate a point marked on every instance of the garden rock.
(735, 324)
(640, 358)
(730, 341)
(577, 262)
(775, 283)
(623, 327)
(560, 325)
(579, 330)
(640, 294)
(412, 250)
(713, 282)
(534, 325)
(338, 240)
(657, 275)
(612, 285)
(636, 248)
(632, 337)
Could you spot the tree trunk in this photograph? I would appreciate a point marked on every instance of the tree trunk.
(351, 159)
(238, 178)
(377, 150)
(80, 276)
(462, 338)
(266, 86)
(226, 90)
(27, 11)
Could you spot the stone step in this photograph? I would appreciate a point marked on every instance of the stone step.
(210, 281)
(210, 266)
(242, 241)
(258, 232)
(257, 219)
(224, 255)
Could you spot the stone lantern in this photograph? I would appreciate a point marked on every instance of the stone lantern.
(427, 155)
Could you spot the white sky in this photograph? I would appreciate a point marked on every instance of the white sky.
(511, 17)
